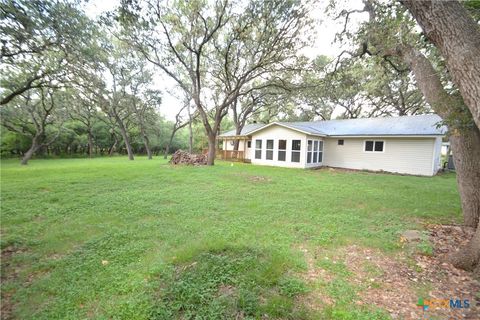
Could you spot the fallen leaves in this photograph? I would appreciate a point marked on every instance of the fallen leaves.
(395, 283)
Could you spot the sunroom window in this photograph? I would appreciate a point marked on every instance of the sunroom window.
(309, 151)
(269, 150)
(314, 151)
(282, 150)
(258, 149)
(296, 146)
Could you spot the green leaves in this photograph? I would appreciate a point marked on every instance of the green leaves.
(42, 39)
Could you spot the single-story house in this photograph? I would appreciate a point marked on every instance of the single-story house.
(407, 145)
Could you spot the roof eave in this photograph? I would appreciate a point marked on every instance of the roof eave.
(233, 137)
(385, 135)
(287, 127)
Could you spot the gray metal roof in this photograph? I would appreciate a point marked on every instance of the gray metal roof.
(310, 127)
(407, 125)
(419, 125)
(245, 131)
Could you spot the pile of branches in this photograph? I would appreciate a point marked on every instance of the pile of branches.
(183, 157)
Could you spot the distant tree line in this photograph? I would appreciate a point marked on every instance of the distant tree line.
(105, 139)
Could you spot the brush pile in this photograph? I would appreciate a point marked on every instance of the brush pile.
(183, 157)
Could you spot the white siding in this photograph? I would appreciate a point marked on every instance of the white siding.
(276, 133)
(401, 155)
(437, 155)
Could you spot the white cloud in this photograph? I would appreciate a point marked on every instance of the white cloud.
(95, 8)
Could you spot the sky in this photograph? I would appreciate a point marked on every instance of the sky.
(323, 43)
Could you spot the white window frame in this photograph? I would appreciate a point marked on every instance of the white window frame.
(266, 149)
(320, 151)
(373, 151)
(309, 144)
(257, 149)
(296, 151)
(317, 152)
(284, 150)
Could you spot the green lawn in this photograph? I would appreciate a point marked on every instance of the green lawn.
(109, 238)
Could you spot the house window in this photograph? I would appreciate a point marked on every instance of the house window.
(258, 149)
(374, 146)
(249, 144)
(309, 151)
(320, 151)
(369, 146)
(340, 142)
(314, 151)
(282, 150)
(378, 146)
(269, 150)
(296, 150)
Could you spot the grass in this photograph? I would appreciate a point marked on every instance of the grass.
(107, 238)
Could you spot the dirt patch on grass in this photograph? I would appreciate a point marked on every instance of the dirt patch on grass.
(384, 281)
(226, 291)
(314, 299)
(448, 281)
(448, 238)
(314, 272)
(9, 273)
(396, 284)
(255, 179)
(259, 179)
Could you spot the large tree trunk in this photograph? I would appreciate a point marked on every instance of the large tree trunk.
(126, 139)
(146, 142)
(114, 145)
(455, 33)
(90, 143)
(212, 147)
(238, 124)
(238, 131)
(167, 150)
(167, 147)
(468, 173)
(190, 131)
(468, 257)
(36, 144)
(28, 155)
(147, 147)
(190, 137)
(465, 144)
